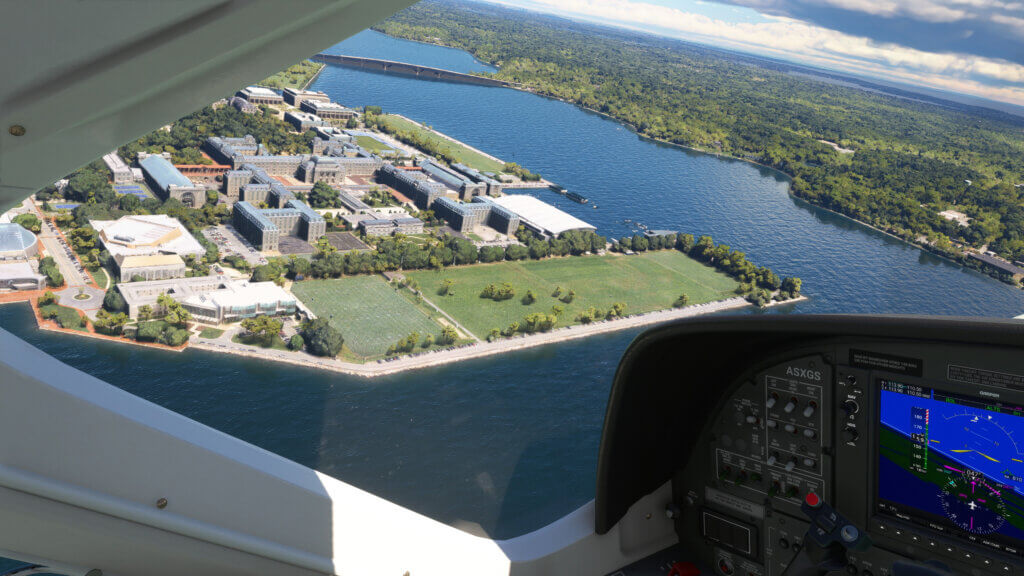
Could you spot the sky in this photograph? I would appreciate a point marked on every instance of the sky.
(970, 47)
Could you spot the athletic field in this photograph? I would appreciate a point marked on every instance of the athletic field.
(368, 312)
(646, 282)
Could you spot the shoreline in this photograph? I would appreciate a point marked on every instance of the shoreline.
(314, 76)
(501, 346)
(789, 178)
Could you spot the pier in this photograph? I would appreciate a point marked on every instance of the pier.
(410, 70)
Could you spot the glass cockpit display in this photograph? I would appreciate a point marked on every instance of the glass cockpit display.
(953, 462)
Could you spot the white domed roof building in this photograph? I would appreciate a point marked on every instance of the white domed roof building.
(16, 243)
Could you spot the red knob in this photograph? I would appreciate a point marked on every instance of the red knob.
(684, 569)
(812, 500)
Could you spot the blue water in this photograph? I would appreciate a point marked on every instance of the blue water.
(510, 443)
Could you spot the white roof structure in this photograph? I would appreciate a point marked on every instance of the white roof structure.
(541, 215)
(241, 295)
(260, 91)
(17, 271)
(145, 235)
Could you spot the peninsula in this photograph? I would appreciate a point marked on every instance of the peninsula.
(286, 226)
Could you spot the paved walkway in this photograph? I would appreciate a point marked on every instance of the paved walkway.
(426, 359)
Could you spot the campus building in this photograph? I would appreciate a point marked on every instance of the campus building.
(167, 181)
(328, 110)
(412, 183)
(215, 299)
(20, 275)
(243, 105)
(121, 172)
(17, 243)
(494, 187)
(150, 246)
(254, 173)
(461, 216)
(265, 227)
(457, 182)
(380, 225)
(260, 95)
(296, 97)
(540, 217)
(303, 121)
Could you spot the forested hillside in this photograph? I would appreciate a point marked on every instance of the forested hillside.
(910, 161)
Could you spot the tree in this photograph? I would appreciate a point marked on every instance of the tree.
(446, 288)
(88, 185)
(448, 336)
(296, 342)
(145, 312)
(323, 196)
(529, 298)
(129, 202)
(113, 301)
(172, 336)
(29, 222)
(493, 335)
(299, 268)
(517, 252)
(682, 301)
(263, 328)
(321, 338)
(110, 323)
(792, 285)
(174, 312)
(569, 296)
(149, 331)
(428, 341)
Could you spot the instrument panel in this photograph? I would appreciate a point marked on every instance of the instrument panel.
(918, 441)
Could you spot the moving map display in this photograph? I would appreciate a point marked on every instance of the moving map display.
(952, 461)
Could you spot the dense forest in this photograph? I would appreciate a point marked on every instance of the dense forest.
(912, 158)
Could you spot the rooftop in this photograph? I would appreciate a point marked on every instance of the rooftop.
(241, 294)
(16, 270)
(541, 214)
(260, 91)
(141, 235)
(163, 172)
(15, 238)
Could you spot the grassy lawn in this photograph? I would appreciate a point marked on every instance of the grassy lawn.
(463, 154)
(211, 333)
(100, 275)
(372, 144)
(648, 282)
(368, 312)
(276, 343)
(66, 317)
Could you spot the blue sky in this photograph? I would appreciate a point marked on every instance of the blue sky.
(971, 47)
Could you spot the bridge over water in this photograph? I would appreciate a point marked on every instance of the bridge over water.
(410, 70)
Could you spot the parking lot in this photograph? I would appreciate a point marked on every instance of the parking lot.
(230, 242)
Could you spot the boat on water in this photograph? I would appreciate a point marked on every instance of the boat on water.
(557, 188)
(577, 197)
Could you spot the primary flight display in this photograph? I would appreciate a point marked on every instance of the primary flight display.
(953, 462)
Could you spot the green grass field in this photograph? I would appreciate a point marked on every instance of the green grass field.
(648, 282)
(463, 154)
(372, 144)
(211, 333)
(368, 312)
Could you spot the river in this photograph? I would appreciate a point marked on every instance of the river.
(509, 443)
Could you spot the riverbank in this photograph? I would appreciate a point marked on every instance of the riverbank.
(484, 349)
(960, 259)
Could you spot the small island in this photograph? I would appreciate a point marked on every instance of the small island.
(287, 227)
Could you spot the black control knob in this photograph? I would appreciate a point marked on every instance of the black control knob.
(850, 434)
(850, 407)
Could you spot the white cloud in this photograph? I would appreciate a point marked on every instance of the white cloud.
(789, 38)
